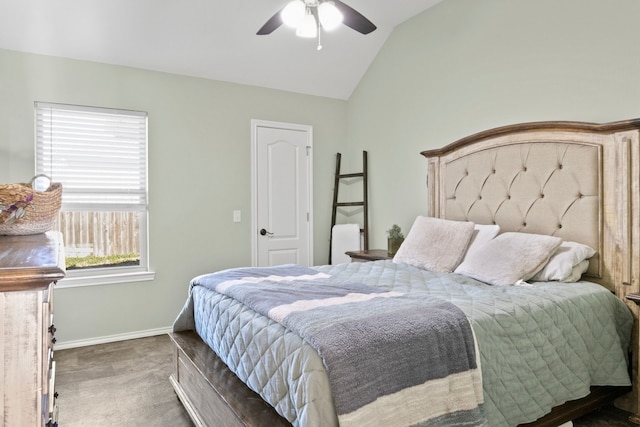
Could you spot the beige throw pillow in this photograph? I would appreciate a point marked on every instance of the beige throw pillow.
(482, 234)
(510, 257)
(435, 244)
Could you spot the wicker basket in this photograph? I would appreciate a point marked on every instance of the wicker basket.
(40, 213)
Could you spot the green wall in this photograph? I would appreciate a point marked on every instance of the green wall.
(465, 66)
(199, 172)
(460, 67)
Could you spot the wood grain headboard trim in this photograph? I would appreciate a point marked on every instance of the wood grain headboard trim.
(551, 126)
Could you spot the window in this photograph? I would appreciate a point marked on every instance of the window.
(100, 157)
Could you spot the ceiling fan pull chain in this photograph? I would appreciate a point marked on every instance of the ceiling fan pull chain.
(319, 37)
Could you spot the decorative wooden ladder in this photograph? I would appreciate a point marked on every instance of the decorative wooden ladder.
(364, 202)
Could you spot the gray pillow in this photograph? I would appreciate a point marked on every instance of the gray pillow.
(435, 244)
(509, 258)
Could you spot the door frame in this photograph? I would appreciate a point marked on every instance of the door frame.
(255, 124)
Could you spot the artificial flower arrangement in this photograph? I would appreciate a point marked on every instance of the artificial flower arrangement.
(16, 210)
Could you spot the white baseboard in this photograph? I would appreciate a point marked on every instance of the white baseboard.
(62, 345)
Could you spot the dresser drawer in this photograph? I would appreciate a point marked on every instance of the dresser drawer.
(48, 337)
(49, 405)
(53, 420)
(47, 316)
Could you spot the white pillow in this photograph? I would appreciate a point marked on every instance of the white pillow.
(482, 234)
(577, 271)
(509, 258)
(561, 265)
(435, 244)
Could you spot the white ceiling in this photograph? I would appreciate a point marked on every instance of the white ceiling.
(214, 39)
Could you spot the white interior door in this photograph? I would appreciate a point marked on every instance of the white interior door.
(282, 221)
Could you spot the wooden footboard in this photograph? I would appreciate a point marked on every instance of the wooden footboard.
(211, 393)
(571, 410)
(214, 396)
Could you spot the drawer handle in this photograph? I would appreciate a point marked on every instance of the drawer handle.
(52, 329)
(53, 340)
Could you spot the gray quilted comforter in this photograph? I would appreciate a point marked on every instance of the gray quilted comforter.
(539, 345)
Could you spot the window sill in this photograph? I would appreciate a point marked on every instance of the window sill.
(104, 278)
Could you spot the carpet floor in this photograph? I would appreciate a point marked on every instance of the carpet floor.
(126, 384)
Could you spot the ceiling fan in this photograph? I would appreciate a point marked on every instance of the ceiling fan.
(310, 17)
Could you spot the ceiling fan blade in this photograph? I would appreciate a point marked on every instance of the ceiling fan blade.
(354, 19)
(271, 25)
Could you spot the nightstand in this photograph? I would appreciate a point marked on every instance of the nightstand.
(370, 255)
(633, 297)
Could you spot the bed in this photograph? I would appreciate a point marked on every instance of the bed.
(541, 353)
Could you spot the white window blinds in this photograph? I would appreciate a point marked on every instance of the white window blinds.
(99, 155)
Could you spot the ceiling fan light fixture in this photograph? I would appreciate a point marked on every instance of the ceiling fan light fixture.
(308, 28)
(293, 13)
(330, 16)
(310, 17)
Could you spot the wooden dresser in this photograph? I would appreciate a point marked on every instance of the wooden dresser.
(29, 267)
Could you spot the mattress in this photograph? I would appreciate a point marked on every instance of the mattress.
(540, 345)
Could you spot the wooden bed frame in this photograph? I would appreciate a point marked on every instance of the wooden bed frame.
(214, 396)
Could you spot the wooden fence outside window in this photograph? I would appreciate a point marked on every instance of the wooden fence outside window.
(99, 233)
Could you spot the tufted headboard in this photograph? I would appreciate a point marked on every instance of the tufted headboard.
(577, 181)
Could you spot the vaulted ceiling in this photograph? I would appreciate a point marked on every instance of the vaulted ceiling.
(214, 39)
